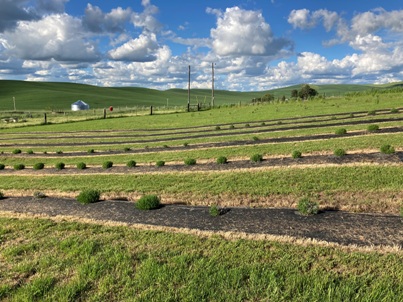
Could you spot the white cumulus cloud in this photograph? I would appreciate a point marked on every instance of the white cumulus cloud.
(98, 22)
(243, 32)
(141, 49)
(58, 37)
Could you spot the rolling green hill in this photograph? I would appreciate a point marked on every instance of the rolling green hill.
(60, 96)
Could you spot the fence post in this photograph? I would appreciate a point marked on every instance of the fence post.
(104, 113)
(46, 120)
(151, 110)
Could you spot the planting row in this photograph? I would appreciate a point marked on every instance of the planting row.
(338, 132)
(305, 206)
(153, 140)
(385, 149)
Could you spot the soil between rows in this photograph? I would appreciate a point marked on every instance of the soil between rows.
(330, 226)
(308, 160)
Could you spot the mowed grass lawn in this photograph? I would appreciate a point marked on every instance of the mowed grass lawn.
(43, 260)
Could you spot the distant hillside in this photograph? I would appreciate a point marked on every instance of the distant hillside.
(60, 96)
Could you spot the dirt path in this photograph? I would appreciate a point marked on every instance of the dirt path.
(342, 228)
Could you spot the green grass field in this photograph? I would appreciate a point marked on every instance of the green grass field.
(44, 260)
(60, 96)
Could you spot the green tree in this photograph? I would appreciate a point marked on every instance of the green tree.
(306, 92)
(267, 97)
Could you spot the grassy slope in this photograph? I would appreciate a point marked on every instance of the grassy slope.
(47, 261)
(234, 114)
(60, 96)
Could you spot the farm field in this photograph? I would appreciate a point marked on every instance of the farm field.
(273, 131)
(364, 179)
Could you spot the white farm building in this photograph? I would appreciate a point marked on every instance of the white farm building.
(79, 105)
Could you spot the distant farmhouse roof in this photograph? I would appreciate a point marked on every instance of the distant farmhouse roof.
(79, 105)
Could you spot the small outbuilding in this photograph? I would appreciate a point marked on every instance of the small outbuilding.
(79, 105)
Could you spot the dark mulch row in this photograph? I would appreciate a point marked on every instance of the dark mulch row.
(331, 226)
(372, 158)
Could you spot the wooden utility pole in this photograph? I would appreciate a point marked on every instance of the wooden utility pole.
(212, 84)
(189, 89)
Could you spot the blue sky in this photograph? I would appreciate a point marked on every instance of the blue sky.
(254, 44)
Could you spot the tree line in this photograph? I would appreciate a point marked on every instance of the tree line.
(304, 93)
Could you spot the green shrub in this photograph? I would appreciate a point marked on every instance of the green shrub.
(59, 166)
(148, 202)
(339, 152)
(256, 158)
(91, 151)
(30, 152)
(126, 149)
(165, 146)
(108, 164)
(247, 125)
(387, 149)
(16, 151)
(263, 124)
(255, 138)
(39, 195)
(341, 131)
(296, 154)
(372, 112)
(372, 128)
(2, 166)
(351, 115)
(39, 166)
(81, 166)
(394, 110)
(131, 164)
(19, 167)
(214, 210)
(59, 152)
(1, 195)
(88, 196)
(222, 160)
(232, 127)
(185, 144)
(217, 128)
(190, 161)
(307, 207)
(160, 163)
